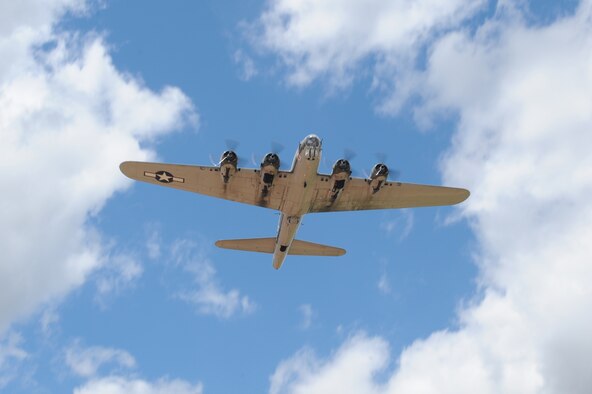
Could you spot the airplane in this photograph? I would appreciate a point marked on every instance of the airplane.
(294, 193)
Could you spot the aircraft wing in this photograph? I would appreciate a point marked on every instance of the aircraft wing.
(243, 186)
(358, 195)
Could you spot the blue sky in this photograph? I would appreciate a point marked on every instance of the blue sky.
(115, 285)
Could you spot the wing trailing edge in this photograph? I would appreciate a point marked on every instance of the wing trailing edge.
(267, 245)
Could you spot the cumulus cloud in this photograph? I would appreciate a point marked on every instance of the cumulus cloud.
(208, 297)
(34, 13)
(86, 361)
(331, 38)
(522, 148)
(523, 95)
(123, 385)
(11, 354)
(348, 371)
(67, 118)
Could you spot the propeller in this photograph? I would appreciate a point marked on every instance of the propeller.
(394, 174)
(232, 145)
(349, 154)
(277, 147)
(254, 160)
(382, 157)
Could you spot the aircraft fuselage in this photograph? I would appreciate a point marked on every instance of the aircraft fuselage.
(299, 196)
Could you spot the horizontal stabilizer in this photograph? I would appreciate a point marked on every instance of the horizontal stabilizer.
(267, 245)
(304, 248)
(263, 245)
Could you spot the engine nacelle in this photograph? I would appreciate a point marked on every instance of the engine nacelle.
(339, 177)
(269, 168)
(228, 163)
(378, 177)
(270, 160)
(341, 169)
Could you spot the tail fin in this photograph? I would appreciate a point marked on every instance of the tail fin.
(267, 245)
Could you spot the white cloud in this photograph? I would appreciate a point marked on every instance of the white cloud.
(247, 66)
(332, 38)
(123, 385)
(523, 95)
(34, 14)
(208, 297)
(11, 354)
(86, 361)
(523, 148)
(384, 285)
(67, 118)
(24, 24)
(307, 314)
(153, 242)
(121, 271)
(49, 321)
(350, 370)
(401, 224)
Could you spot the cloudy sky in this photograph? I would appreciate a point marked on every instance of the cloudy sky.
(107, 286)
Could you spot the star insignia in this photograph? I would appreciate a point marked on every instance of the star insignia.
(164, 176)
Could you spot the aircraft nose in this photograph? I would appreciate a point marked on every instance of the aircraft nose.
(313, 140)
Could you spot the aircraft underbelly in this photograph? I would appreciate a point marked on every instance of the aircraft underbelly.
(298, 200)
(287, 231)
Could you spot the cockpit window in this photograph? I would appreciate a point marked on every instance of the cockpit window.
(313, 141)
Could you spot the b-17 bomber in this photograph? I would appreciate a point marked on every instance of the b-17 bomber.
(294, 193)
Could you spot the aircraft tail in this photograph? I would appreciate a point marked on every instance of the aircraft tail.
(267, 245)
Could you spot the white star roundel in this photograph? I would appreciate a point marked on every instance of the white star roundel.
(164, 176)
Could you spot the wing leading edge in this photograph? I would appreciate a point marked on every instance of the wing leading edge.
(358, 195)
